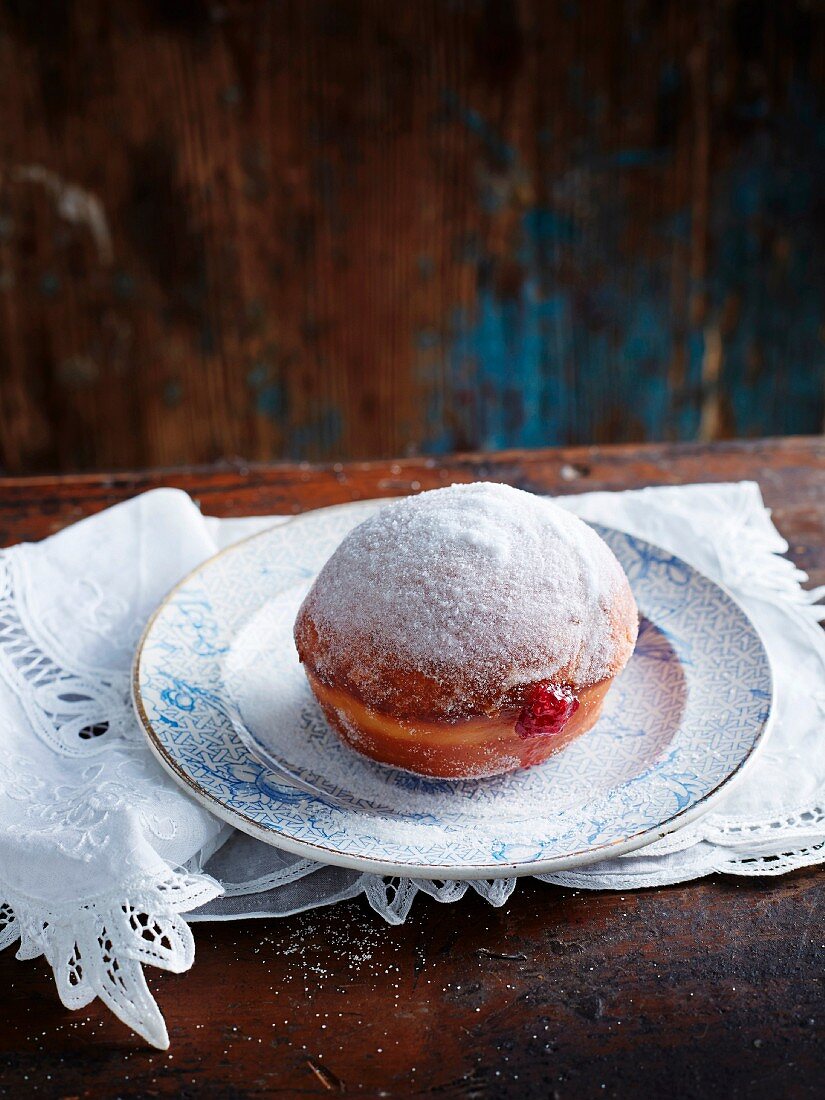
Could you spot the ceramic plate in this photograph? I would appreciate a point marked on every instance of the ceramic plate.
(227, 710)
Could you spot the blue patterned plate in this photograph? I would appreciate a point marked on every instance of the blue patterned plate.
(227, 711)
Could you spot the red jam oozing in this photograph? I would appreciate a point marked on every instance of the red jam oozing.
(547, 710)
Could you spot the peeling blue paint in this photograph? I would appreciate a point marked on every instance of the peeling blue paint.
(321, 434)
(589, 342)
(629, 158)
(257, 375)
(270, 394)
(271, 401)
(494, 145)
(542, 225)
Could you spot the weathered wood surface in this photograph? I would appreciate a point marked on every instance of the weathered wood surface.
(346, 228)
(711, 989)
(791, 473)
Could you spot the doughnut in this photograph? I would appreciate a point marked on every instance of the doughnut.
(466, 632)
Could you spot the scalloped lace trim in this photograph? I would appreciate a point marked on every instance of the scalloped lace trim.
(393, 897)
(769, 864)
(99, 949)
(770, 832)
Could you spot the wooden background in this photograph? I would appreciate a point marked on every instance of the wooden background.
(353, 228)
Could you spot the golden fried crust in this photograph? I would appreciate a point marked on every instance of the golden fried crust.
(473, 748)
(380, 679)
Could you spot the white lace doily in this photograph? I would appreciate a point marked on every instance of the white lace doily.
(101, 854)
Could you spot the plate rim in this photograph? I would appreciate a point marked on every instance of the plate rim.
(323, 855)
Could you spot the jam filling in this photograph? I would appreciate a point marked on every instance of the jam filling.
(546, 711)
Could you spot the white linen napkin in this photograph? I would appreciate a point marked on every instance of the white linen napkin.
(101, 853)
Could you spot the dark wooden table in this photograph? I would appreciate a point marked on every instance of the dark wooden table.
(713, 988)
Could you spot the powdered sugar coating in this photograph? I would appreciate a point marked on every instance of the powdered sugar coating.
(475, 590)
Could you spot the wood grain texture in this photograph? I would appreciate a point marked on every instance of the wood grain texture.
(791, 473)
(710, 989)
(345, 228)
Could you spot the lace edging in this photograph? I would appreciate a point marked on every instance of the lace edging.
(99, 949)
(767, 864)
(392, 898)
